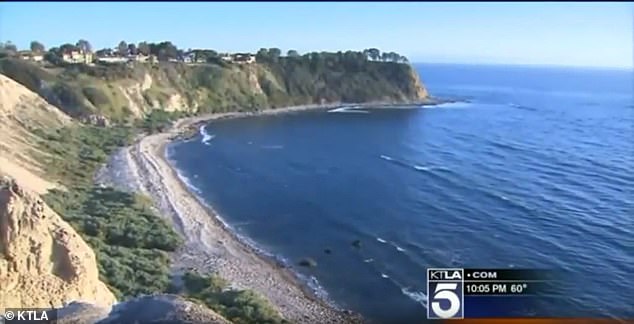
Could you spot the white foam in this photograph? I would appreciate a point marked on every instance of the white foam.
(381, 240)
(383, 275)
(398, 248)
(417, 296)
(368, 260)
(422, 168)
(354, 109)
(385, 157)
(206, 136)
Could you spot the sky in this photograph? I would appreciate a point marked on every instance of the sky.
(541, 33)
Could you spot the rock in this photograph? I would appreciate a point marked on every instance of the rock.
(43, 261)
(356, 243)
(96, 120)
(162, 309)
(307, 262)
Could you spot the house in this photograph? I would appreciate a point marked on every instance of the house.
(244, 58)
(112, 59)
(189, 57)
(75, 57)
(138, 58)
(226, 57)
(31, 56)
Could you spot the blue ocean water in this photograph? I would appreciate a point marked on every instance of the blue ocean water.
(533, 168)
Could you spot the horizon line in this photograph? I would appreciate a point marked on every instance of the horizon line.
(535, 65)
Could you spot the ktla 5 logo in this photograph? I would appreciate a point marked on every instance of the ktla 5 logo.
(446, 291)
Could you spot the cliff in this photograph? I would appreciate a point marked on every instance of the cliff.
(21, 112)
(127, 91)
(43, 261)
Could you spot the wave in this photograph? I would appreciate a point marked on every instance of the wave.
(368, 260)
(417, 296)
(522, 107)
(206, 136)
(381, 240)
(383, 275)
(414, 166)
(398, 248)
(354, 109)
(422, 168)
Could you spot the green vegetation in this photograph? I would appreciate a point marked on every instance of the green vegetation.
(76, 152)
(159, 120)
(130, 241)
(238, 306)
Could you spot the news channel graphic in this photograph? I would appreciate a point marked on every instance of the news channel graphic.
(456, 293)
(28, 315)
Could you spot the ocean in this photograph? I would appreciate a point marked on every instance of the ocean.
(532, 167)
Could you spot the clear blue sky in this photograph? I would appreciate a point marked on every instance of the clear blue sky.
(582, 34)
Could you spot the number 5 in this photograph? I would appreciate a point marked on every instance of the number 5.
(446, 291)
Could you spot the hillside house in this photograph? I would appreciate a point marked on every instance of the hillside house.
(31, 56)
(77, 57)
(240, 58)
(112, 59)
(189, 57)
(226, 57)
(243, 58)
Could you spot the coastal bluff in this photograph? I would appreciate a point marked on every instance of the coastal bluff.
(125, 92)
(43, 261)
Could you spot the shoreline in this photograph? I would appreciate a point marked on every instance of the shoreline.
(210, 244)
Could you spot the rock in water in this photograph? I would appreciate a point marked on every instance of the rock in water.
(43, 261)
(327, 251)
(307, 262)
(356, 243)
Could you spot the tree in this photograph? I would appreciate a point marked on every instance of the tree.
(67, 48)
(84, 45)
(404, 59)
(144, 48)
(374, 53)
(9, 48)
(37, 47)
(122, 48)
(132, 49)
(274, 53)
(385, 57)
(292, 53)
(262, 55)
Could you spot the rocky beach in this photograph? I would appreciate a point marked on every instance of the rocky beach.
(209, 245)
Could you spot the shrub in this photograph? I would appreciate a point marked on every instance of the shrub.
(238, 306)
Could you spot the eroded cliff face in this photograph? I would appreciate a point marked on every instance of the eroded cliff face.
(126, 92)
(43, 261)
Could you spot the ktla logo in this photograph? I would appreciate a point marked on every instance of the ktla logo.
(445, 293)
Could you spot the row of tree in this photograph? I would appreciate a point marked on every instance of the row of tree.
(166, 50)
(373, 54)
